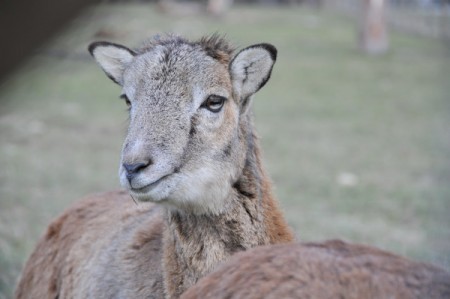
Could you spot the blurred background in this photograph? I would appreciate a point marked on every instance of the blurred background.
(354, 124)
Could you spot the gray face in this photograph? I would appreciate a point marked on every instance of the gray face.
(183, 142)
(184, 145)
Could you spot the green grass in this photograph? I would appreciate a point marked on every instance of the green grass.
(328, 110)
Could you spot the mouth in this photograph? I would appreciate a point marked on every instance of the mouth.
(150, 186)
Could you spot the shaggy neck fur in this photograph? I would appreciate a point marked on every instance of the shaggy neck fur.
(195, 244)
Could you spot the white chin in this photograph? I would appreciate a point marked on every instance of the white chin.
(153, 193)
(199, 192)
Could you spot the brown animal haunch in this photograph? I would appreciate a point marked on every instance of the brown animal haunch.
(333, 269)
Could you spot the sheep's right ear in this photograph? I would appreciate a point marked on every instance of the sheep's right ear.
(112, 58)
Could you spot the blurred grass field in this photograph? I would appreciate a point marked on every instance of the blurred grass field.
(358, 147)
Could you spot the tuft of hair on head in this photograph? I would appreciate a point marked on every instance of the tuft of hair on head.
(214, 45)
(217, 47)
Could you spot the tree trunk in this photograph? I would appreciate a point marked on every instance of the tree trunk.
(373, 37)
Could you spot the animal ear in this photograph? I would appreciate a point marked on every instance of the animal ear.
(251, 68)
(112, 58)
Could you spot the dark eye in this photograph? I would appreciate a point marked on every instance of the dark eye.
(214, 103)
(127, 101)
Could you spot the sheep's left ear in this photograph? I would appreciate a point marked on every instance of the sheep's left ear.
(250, 70)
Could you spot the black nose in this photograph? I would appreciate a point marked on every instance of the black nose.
(134, 169)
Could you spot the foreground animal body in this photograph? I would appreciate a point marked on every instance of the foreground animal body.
(191, 151)
(333, 269)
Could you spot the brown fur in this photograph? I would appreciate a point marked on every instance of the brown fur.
(77, 243)
(333, 269)
(195, 244)
(69, 254)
